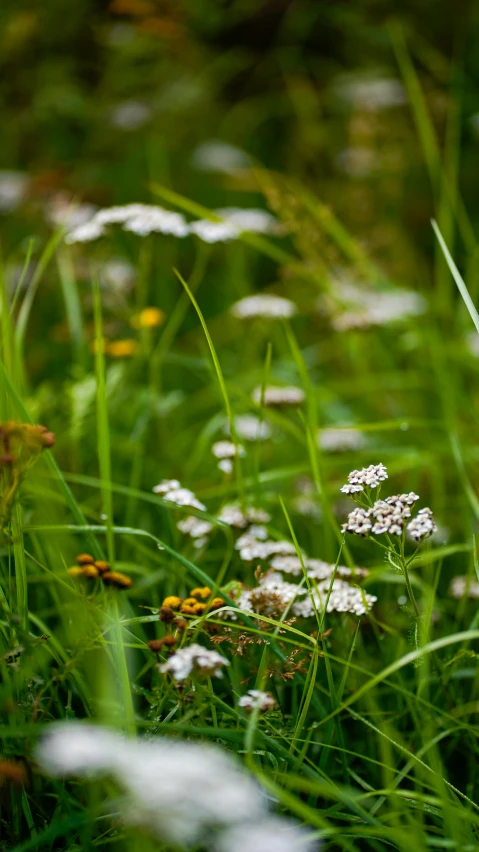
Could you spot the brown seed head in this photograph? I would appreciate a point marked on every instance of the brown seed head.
(84, 558)
(166, 614)
(180, 623)
(115, 578)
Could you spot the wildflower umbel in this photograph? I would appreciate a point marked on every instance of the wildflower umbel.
(422, 526)
(368, 477)
(194, 658)
(256, 699)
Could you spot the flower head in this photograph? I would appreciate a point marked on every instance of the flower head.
(422, 526)
(256, 699)
(264, 305)
(273, 395)
(359, 522)
(194, 658)
(367, 477)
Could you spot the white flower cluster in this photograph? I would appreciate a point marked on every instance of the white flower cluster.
(13, 189)
(171, 490)
(422, 526)
(278, 395)
(232, 515)
(196, 528)
(193, 659)
(255, 545)
(463, 586)
(338, 440)
(185, 794)
(350, 305)
(251, 428)
(316, 569)
(144, 219)
(265, 305)
(226, 451)
(368, 477)
(343, 598)
(371, 93)
(256, 699)
(359, 522)
(214, 155)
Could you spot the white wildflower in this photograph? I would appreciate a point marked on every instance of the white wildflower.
(358, 161)
(217, 156)
(193, 658)
(264, 305)
(343, 598)
(13, 189)
(65, 211)
(368, 477)
(252, 549)
(355, 305)
(227, 450)
(252, 220)
(278, 395)
(118, 275)
(194, 527)
(272, 835)
(214, 232)
(171, 490)
(130, 115)
(340, 440)
(184, 793)
(251, 428)
(422, 526)
(85, 233)
(359, 522)
(226, 465)
(463, 586)
(156, 219)
(255, 698)
(232, 515)
(371, 93)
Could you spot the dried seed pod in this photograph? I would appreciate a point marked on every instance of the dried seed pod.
(166, 614)
(85, 558)
(102, 566)
(115, 578)
(156, 645)
(180, 623)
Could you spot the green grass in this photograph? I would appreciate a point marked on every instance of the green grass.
(374, 740)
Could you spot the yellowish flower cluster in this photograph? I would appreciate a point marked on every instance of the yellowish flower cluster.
(89, 568)
(196, 604)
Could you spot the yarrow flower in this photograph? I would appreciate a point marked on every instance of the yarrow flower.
(343, 597)
(359, 522)
(171, 490)
(340, 440)
(368, 477)
(422, 526)
(273, 395)
(193, 658)
(256, 699)
(185, 794)
(463, 586)
(226, 451)
(264, 305)
(196, 528)
(234, 516)
(251, 428)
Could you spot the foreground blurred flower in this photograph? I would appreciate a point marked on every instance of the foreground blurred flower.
(256, 699)
(272, 395)
(251, 428)
(264, 305)
(20, 447)
(148, 318)
(340, 440)
(193, 659)
(185, 794)
(217, 156)
(13, 189)
(121, 348)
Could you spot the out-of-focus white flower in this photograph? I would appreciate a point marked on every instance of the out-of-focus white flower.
(65, 211)
(118, 275)
(316, 569)
(367, 477)
(264, 305)
(193, 658)
(234, 516)
(251, 428)
(86, 233)
(255, 698)
(195, 527)
(350, 304)
(371, 93)
(171, 490)
(217, 156)
(278, 395)
(227, 450)
(463, 586)
(13, 189)
(358, 162)
(271, 835)
(130, 115)
(251, 548)
(340, 440)
(214, 232)
(156, 219)
(254, 220)
(184, 793)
